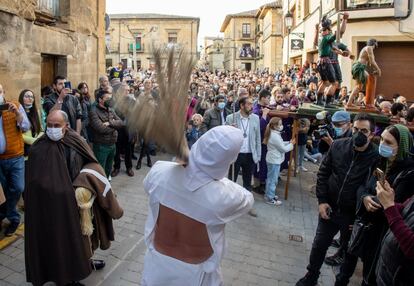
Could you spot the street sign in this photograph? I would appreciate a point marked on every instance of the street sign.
(296, 44)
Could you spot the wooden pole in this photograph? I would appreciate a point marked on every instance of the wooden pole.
(292, 153)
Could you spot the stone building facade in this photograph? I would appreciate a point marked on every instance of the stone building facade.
(214, 53)
(40, 39)
(147, 31)
(253, 39)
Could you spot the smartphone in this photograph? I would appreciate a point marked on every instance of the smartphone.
(68, 85)
(4, 106)
(380, 175)
(329, 212)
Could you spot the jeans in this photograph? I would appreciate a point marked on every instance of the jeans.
(246, 163)
(311, 157)
(273, 171)
(123, 145)
(301, 154)
(105, 155)
(12, 181)
(325, 232)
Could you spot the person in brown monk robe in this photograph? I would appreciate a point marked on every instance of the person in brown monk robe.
(54, 246)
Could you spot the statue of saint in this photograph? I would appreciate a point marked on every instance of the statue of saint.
(363, 68)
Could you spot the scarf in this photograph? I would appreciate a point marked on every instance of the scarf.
(406, 142)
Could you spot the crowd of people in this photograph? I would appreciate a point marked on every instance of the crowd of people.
(349, 189)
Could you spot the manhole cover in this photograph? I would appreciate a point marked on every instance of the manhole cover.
(297, 238)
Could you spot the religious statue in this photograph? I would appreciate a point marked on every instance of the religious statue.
(328, 66)
(364, 72)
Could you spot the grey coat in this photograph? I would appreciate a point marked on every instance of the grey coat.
(211, 119)
(255, 141)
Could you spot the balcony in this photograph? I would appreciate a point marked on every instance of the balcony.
(47, 11)
(139, 48)
(246, 36)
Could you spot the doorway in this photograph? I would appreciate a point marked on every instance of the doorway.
(248, 66)
(51, 66)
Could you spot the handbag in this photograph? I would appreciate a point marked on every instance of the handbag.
(358, 239)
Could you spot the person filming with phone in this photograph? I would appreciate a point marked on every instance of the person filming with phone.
(346, 166)
(63, 99)
(13, 123)
(393, 175)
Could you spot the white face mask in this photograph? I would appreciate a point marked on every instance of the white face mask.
(1, 99)
(54, 134)
(280, 128)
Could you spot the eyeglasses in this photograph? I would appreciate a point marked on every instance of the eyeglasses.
(363, 130)
(29, 96)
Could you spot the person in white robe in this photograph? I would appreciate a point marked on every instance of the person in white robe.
(189, 206)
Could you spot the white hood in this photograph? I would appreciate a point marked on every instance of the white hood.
(211, 156)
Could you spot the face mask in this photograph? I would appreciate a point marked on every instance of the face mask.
(141, 88)
(360, 139)
(338, 131)
(1, 99)
(54, 134)
(280, 128)
(109, 103)
(257, 88)
(28, 106)
(221, 105)
(385, 150)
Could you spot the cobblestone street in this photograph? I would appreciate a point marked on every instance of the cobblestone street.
(259, 249)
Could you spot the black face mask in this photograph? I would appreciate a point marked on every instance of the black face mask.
(360, 139)
(109, 103)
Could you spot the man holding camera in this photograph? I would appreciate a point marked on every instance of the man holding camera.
(346, 166)
(62, 99)
(341, 128)
(13, 122)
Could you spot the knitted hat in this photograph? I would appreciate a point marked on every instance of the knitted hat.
(406, 142)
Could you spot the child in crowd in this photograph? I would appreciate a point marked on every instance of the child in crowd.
(193, 129)
(304, 125)
(276, 149)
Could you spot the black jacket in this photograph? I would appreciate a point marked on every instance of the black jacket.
(70, 105)
(401, 178)
(393, 268)
(342, 172)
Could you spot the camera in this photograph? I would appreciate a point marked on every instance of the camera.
(322, 131)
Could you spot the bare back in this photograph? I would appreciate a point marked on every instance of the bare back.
(364, 56)
(181, 237)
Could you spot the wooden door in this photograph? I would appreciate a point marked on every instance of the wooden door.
(48, 70)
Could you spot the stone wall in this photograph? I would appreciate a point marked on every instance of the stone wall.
(78, 36)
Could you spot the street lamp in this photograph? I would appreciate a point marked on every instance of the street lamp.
(288, 25)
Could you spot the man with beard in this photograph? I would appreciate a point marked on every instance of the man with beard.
(55, 249)
(62, 99)
(261, 109)
(347, 166)
(251, 150)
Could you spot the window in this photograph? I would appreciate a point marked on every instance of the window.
(49, 6)
(246, 30)
(368, 4)
(172, 38)
(138, 42)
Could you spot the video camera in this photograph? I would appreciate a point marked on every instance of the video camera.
(322, 131)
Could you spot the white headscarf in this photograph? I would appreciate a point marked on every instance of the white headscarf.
(211, 156)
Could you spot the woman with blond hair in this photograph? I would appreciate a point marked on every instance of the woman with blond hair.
(276, 149)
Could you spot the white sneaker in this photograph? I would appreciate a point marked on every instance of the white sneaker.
(274, 202)
(303, 169)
